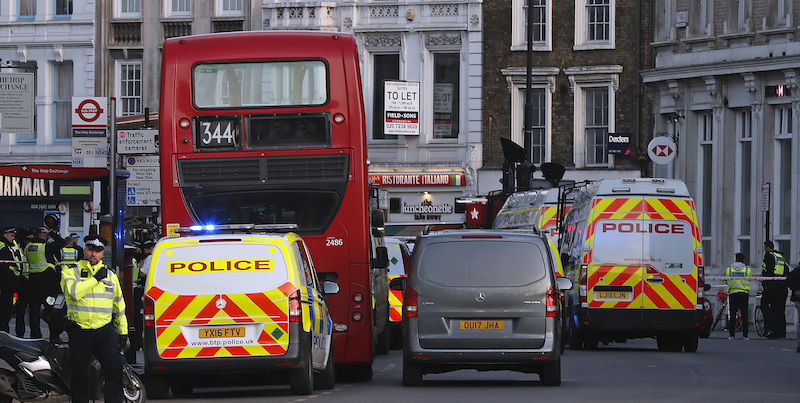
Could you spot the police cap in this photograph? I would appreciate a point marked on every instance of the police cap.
(12, 230)
(95, 242)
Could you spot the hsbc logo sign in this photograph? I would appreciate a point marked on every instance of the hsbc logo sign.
(662, 150)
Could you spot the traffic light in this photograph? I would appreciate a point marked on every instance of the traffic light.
(525, 171)
(52, 219)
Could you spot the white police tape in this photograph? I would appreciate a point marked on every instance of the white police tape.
(24, 262)
(757, 278)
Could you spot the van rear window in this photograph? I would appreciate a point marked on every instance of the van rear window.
(493, 263)
(666, 245)
(220, 268)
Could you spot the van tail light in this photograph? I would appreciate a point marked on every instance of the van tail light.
(149, 312)
(701, 284)
(410, 303)
(294, 306)
(583, 282)
(550, 303)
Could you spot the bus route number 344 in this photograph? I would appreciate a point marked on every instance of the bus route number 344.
(217, 133)
(334, 242)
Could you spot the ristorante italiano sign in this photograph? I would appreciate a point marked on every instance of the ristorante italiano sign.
(418, 179)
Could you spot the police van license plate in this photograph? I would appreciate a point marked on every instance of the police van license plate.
(613, 295)
(221, 332)
(481, 325)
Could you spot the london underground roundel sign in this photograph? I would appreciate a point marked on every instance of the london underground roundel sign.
(662, 149)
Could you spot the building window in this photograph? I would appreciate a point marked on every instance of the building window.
(594, 24)
(63, 8)
(385, 67)
(542, 15)
(594, 113)
(63, 80)
(665, 21)
(738, 17)
(178, 8)
(539, 129)
(128, 8)
(744, 178)
(784, 184)
(705, 130)
(596, 110)
(700, 15)
(27, 9)
(230, 8)
(446, 83)
(542, 88)
(129, 88)
(779, 14)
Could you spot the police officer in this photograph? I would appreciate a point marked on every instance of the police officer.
(773, 301)
(69, 252)
(41, 257)
(75, 239)
(139, 273)
(97, 323)
(9, 272)
(738, 294)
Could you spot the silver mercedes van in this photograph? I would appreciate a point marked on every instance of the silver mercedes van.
(484, 300)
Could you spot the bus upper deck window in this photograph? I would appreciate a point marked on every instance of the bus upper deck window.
(260, 84)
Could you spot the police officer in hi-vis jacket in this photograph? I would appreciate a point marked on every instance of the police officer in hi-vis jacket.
(9, 273)
(96, 321)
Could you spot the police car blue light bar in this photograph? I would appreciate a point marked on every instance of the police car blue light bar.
(212, 228)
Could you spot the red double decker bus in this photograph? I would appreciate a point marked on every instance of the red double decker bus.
(268, 128)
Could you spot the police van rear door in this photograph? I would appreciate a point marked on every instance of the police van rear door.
(643, 254)
(221, 296)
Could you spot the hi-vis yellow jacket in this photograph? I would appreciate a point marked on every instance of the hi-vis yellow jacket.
(93, 304)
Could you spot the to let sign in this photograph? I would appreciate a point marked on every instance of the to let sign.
(401, 108)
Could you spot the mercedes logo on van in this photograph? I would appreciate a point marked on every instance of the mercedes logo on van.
(221, 304)
(480, 297)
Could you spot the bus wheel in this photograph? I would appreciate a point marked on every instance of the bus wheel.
(361, 371)
(382, 348)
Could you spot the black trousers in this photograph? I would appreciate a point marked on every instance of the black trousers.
(102, 343)
(773, 304)
(23, 300)
(738, 301)
(8, 283)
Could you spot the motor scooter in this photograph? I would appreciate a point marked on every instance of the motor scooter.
(35, 369)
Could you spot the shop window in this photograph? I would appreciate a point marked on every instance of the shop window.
(385, 67)
(446, 83)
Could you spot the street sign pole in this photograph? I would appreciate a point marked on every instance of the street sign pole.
(765, 200)
(112, 162)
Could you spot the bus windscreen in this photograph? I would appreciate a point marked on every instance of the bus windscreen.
(311, 210)
(259, 84)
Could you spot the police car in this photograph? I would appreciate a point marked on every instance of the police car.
(233, 303)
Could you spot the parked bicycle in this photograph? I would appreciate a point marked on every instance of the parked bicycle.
(724, 311)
